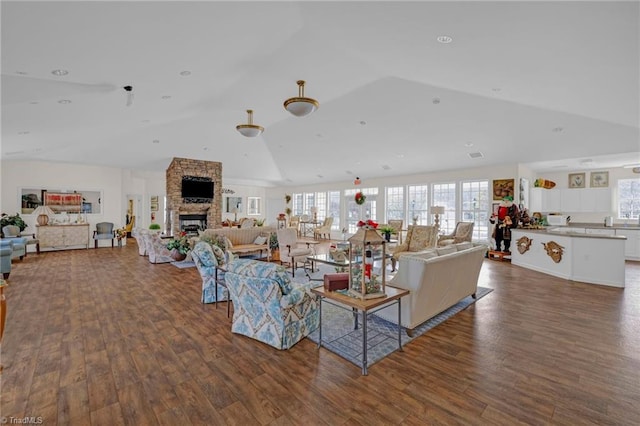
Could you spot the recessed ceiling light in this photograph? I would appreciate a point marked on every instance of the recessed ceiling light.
(557, 129)
(349, 172)
(21, 72)
(496, 90)
(156, 141)
(59, 72)
(386, 167)
(64, 101)
(476, 155)
(34, 103)
(435, 101)
(363, 123)
(166, 97)
(205, 148)
(400, 155)
(320, 176)
(185, 73)
(319, 135)
(444, 39)
(23, 133)
(468, 144)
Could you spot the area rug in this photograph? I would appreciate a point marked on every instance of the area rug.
(382, 336)
(184, 264)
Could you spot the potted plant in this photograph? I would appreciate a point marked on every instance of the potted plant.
(15, 220)
(179, 247)
(274, 246)
(386, 231)
(155, 227)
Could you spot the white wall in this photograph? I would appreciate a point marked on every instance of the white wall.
(562, 182)
(244, 191)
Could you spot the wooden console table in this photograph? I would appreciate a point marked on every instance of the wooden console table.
(59, 237)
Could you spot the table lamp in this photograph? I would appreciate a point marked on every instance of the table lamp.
(44, 213)
(437, 211)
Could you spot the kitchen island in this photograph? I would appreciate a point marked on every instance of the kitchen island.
(576, 256)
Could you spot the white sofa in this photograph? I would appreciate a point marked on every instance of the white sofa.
(437, 279)
(243, 239)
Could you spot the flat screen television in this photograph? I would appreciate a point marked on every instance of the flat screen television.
(197, 190)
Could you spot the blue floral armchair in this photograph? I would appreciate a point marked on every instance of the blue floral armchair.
(209, 260)
(267, 306)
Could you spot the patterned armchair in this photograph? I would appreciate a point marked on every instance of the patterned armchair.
(419, 237)
(324, 230)
(267, 306)
(461, 233)
(12, 231)
(156, 248)
(210, 260)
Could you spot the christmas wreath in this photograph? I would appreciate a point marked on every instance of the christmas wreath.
(360, 198)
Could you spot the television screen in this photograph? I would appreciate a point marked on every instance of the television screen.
(197, 189)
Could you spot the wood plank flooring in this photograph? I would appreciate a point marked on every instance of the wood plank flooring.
(103, 337)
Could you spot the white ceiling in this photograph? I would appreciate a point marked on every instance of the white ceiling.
(513, 73)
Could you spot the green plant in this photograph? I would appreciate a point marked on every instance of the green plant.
(260, 222)
(181, 243)
(155, 227)
(386, 229)
(273, 241)
(12, 220)
(287, 198)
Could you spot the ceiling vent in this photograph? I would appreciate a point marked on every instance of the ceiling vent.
(476, 155)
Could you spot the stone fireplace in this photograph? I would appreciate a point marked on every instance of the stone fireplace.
(182, 212)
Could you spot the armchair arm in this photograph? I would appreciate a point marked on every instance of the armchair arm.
(401, 247)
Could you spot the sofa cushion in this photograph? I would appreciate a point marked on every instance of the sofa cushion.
(427, 254)
(257, 269)
(205, 253)
(446, 250)
(260, 240)
(419, 238)
(464, 246)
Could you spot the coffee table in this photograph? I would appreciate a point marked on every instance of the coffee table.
(327, 260)
(366, 306)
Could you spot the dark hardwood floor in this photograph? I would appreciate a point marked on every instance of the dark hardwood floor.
(104, 337)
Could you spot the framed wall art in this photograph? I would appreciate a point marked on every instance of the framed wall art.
(577, 180)
(599, 179)
(502, 188)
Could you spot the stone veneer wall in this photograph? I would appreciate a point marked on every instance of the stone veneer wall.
(180, 167)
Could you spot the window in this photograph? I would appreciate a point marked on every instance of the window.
(444, 194)
(334, 208)
(417, 196)
(475, 207)
(298, 206)
(628, 198)
(357, 212)
(395, 203)
(253, 206)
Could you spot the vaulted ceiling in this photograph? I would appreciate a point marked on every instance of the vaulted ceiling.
(541, 83)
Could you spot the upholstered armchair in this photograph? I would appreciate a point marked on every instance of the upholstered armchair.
(141, 241)
(294, 223)
(13, 231)
(461, 233)
(6, 250)
(324, 230)
(292, 251)
(210, 261)
(396, 224)
(156, 249)
(419, 237)
(103, 231)
(267, 306)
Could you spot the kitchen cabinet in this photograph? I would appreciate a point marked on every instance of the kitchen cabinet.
(571, 200)
(63, 236)
(632, 245)
(545, 200)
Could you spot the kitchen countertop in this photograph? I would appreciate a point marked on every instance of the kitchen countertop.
(601, 226)
(551, 230)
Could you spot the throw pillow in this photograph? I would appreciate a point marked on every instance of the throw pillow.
(228, 243)
(219, 254)
(464, 246)
(429, 254)
(446, 250)
(260, 240)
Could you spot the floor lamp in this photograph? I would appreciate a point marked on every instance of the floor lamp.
(437, 211)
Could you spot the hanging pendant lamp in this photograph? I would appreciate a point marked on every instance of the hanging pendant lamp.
(249, 130)
(301, 106)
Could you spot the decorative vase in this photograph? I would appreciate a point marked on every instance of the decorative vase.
(387, 236)
(177, 256)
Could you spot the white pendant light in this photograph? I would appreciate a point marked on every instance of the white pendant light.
(301, 106)
(249, 130)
